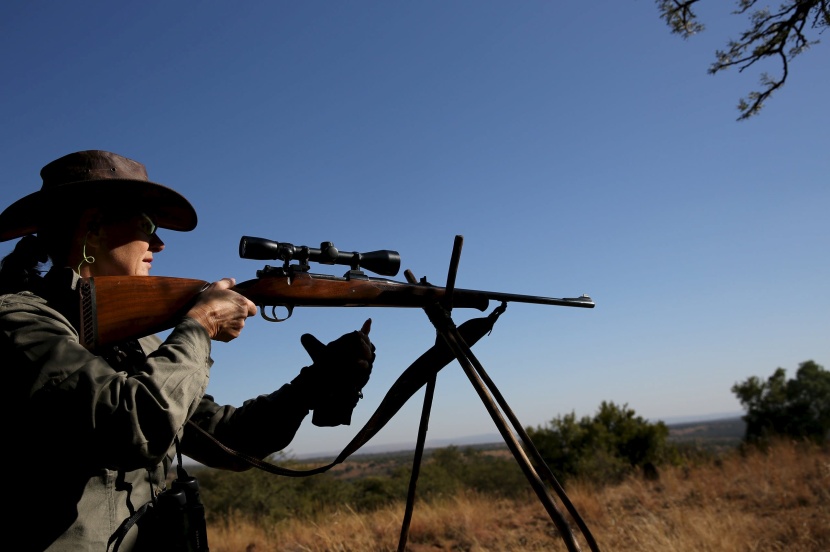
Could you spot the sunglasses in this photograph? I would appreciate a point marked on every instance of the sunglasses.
(146, 225)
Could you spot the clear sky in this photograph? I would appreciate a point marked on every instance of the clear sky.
(578, 147)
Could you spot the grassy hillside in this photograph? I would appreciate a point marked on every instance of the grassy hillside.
(759, 501)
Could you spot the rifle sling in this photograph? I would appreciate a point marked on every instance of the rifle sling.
(410, 381)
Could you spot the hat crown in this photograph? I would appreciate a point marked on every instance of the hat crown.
(95, 178)
(91, 165)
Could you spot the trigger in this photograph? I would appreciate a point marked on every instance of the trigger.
(289, 309)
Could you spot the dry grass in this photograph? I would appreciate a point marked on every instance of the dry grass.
(778, 501)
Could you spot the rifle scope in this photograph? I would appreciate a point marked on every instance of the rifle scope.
(384, 262)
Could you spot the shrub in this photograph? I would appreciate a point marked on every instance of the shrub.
(604, 448)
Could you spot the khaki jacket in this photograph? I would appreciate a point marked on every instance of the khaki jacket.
(89, 443)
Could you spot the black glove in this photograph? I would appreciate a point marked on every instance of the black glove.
(333, 384)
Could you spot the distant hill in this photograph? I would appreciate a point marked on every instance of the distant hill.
(723, 432)
(705, 431)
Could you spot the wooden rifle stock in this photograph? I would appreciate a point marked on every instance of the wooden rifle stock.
(115, 308)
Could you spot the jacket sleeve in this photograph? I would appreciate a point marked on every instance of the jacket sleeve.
(74, 403)
(260, 427)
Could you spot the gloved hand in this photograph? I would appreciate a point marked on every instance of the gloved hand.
(333, 384)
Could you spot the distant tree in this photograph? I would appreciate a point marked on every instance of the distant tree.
(797, 408)
(604, 448)
(781, 34)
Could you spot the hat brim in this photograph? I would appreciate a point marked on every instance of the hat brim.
(168, 208)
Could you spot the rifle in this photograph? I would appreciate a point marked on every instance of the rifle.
(115, 308)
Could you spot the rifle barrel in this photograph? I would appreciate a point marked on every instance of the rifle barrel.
(584, 301)
(310, 290)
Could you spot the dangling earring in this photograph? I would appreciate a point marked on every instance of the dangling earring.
(87, 259)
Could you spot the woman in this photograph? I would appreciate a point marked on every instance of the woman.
(96, 432)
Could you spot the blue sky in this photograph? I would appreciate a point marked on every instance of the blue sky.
(577, 148)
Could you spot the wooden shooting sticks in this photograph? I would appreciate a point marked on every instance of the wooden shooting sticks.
(440, 316)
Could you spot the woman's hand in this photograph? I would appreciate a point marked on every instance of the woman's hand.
(222, 311)
(333, 385)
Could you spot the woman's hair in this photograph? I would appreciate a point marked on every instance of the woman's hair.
(22, 268)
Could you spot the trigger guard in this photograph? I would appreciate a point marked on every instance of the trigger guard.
(274, 318)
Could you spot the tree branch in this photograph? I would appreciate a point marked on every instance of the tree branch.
(780, 34)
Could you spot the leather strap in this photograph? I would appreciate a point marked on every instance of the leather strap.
(410, 381)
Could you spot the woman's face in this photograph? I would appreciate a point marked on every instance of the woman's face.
(125, 247)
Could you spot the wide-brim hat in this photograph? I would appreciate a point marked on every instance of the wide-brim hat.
(96, 178)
